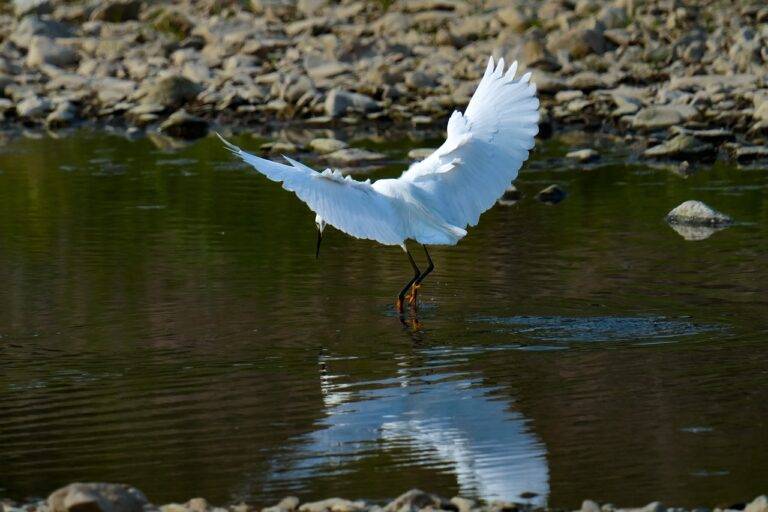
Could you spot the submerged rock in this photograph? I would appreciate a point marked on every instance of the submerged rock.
(552, 194)
(696, 213)
(97, 497)
(695, 233)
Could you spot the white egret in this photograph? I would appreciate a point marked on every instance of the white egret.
(436, 199)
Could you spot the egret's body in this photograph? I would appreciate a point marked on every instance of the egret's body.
(436, 199)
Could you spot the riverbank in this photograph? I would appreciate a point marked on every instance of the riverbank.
(684, 83)
(103, 497)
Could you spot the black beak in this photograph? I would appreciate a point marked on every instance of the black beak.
(319, 239)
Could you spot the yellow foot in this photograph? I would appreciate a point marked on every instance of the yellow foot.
(412, 296)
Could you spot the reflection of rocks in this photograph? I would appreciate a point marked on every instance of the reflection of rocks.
(183, 125)
(695, 233)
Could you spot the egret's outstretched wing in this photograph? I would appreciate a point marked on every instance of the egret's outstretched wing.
(351, 206)
(484, 149)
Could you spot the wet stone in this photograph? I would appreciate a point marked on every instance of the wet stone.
(696, 213)
(97, 497)
(183, 125)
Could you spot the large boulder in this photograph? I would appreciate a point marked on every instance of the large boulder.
(339, 102)
(171, 91)
(43, 50)
(97, 497)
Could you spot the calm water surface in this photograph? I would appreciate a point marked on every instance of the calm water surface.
(163, 322)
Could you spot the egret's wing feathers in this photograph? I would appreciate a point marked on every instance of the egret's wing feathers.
(484, 149)
(351, 206)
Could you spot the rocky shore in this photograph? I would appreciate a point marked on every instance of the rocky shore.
(104, 497)
(684, 80)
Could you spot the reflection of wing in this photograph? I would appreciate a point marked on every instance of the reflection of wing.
(484, 149)
(442, 420)
(351, 206)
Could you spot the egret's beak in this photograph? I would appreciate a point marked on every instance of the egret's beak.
(319, 239)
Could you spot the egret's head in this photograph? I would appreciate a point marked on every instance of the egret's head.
(320, 223)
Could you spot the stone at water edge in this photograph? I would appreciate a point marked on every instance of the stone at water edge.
(584, 155)
(97, 497)
(350, 156)
(511, 196)
(416, 499)
(590, 506)
(183, 125)
(420, 153)
(287, 504)
(333, 505)
(681, 147)
(696, 213)
(326, 145)
(759, 504)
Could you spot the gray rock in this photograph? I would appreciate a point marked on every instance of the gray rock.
(31, 26)
(514, 18)
(279, 147)
(576, 42)
(22, 8)
(97, 497)
(348, 156)
(759, 504)
(183, 125)
(339, 102)
(333, 505)
(43, 50)
(420, 80)
(714, 135)
(681, 147)
(287, 504)
(696, 213)
(172, 91)
(420, 153)
(590, 506)
(326, 145)
(746, 154)
(659, 117)
(33, 107)
(705, 81)
(117, 11)
(625, 105)
(65, 114)
(552, 194)
(584, 155)
(463, 504)
(416, 499)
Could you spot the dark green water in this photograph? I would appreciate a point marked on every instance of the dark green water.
(163, 322)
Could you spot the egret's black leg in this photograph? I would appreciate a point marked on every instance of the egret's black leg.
(417, 273)
(430, 267)
(413, 296)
